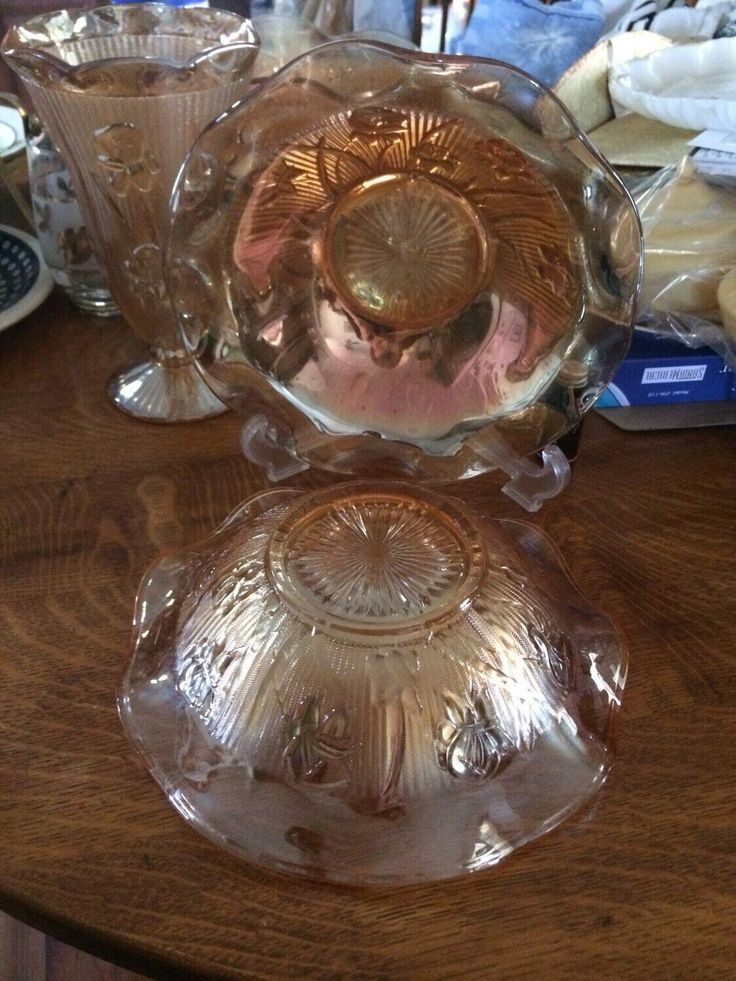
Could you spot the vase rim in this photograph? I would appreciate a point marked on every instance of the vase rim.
(45, 48)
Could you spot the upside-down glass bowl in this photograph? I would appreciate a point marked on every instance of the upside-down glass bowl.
(415, 261)
(371, 684)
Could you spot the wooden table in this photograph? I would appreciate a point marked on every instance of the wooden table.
(642, 885)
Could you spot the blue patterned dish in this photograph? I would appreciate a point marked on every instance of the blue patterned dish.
(25, 282)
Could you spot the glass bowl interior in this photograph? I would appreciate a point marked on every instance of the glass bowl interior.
(391, 252)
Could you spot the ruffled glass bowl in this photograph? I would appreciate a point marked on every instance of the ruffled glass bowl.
(399, 258)
(419, 263)
(371, 684)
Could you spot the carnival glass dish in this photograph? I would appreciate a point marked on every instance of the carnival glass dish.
(393, 255)
(371, 684)
(390, 262)
(124, 91)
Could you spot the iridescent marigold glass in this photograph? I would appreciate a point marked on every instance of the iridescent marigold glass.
(401, 262)
(124, 91)
(371, 684)
(397, 257)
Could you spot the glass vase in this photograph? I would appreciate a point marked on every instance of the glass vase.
(124, 91)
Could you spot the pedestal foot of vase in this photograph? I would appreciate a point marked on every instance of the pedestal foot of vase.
(159, 392)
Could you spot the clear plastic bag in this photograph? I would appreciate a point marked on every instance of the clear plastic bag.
(692, 332)
(689, 230)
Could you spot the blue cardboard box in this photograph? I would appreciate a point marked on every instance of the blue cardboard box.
(660, 371)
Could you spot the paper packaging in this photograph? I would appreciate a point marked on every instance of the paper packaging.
(660, 371)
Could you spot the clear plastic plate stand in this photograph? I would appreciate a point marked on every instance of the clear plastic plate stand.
(266, 444)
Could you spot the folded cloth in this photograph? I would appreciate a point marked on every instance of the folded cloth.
(677, 20)
(542, 38)
(640, 15)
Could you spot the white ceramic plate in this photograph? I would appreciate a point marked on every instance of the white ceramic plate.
(12, 139)
(25, 282)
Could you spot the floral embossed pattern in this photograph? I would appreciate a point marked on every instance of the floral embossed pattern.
(388, 743)
(129, 167)
(316, 744)
(501, 224)
(143, 270)
(469, 745)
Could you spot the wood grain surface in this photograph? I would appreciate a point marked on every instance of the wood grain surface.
(641, 885)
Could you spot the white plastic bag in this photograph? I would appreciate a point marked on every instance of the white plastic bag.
(688, 85)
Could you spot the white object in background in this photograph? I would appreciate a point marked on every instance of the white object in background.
(7, 136)
(687, 85)
(12, 137)
(674, 20)
(714, 139)
(693, 23)
(584, 86)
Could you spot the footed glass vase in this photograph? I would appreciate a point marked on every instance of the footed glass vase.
(124, 91)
